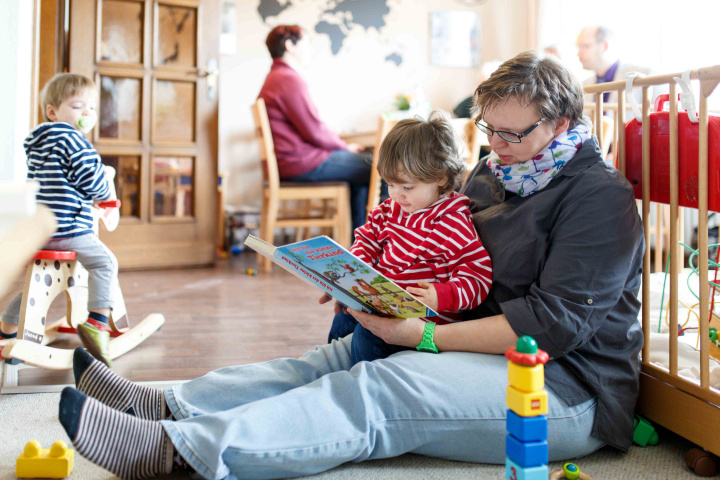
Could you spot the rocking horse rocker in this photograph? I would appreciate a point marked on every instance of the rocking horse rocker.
(49, 274)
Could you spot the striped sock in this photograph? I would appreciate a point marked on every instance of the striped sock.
(99, 320)
(127, 446)
(93, 378)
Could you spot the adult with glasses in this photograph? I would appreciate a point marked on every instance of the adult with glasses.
(565, 238)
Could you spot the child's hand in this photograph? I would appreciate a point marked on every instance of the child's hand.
(426, 293)
(337, 308)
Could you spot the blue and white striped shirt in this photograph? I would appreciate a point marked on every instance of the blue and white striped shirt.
(70, 174)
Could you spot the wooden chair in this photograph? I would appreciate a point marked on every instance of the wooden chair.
(385, 124)
(470, 150)
(275, 191)
(472, 140)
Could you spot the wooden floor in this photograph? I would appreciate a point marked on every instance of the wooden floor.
(214, 317)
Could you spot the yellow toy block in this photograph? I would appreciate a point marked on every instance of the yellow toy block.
(527, 404)
(37, 462)
(526, 378)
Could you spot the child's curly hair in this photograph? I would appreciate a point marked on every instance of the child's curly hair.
(61, 87)
(425, 150)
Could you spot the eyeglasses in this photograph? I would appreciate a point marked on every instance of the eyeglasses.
(511, 137)
(585, 46)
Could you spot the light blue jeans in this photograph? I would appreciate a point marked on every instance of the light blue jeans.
(291, 417)
(98, 260)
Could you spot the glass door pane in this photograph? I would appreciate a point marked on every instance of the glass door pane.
(121, 34)
(173, 180)
(127, 182)
(176, 36)
(120, 108)
(174, 111)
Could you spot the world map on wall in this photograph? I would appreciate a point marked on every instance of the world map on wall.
(339, 17)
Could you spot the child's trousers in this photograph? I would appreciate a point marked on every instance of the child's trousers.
(366, 347)
(97, 259)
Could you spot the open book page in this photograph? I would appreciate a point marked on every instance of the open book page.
(288, 263)
(344, 273)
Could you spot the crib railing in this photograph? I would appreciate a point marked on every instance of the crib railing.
(708, 78)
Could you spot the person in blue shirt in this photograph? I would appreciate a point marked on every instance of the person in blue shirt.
(71, 177)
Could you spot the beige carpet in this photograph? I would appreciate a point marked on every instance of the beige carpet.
(34, 416)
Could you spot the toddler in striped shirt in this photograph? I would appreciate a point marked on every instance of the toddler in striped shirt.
(422, 237)
(71, 177)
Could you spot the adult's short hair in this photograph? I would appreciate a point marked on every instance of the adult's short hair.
(604, 34)
(534, 79)
(279, 35)
(61, 87)
(424, 150)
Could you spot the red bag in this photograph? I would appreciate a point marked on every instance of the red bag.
(688, 133)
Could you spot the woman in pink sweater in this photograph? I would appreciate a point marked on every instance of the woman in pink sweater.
(306, 149)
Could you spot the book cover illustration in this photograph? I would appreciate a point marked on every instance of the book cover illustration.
(342, 270)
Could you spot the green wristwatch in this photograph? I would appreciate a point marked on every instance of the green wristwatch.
(427, 344)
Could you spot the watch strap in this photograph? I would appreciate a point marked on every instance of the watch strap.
(428, 344)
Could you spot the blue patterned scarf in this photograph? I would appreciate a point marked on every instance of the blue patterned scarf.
(529, 177)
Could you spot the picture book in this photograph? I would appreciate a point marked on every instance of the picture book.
(324, 263)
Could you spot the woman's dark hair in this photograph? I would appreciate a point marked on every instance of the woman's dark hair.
(276, 39)
(537, 80)
(424, 150)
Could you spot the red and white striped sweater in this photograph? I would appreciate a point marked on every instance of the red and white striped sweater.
(437, 244)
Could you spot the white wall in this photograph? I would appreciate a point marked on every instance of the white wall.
(15, 85)
(353, 87)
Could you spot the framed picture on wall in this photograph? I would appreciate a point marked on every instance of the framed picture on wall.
(455, 38)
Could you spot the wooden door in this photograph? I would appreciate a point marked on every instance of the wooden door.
(155, 66)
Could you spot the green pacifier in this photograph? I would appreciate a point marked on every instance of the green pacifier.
(85, 123)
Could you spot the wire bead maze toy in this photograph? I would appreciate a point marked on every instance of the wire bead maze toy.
(695, 272)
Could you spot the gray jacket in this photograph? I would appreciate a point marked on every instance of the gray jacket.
(567, 262)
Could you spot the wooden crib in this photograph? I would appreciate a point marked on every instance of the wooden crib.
(684, 407)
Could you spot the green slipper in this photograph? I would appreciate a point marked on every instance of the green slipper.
(96, 341)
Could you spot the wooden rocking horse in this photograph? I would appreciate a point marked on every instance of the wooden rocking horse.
(49, 274)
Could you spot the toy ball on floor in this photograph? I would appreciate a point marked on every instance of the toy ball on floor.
(251, 271)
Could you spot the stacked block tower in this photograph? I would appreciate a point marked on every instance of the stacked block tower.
(526, 445)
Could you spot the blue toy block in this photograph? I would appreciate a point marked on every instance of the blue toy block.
(513, 471)
(527, 429)
(526, 454)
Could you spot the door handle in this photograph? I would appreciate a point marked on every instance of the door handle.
(211, 74)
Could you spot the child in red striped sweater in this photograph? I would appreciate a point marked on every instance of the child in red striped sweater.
(422, 237)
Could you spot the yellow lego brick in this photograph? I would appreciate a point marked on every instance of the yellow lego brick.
(526, 378)
(37, 462)
(527, 404)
